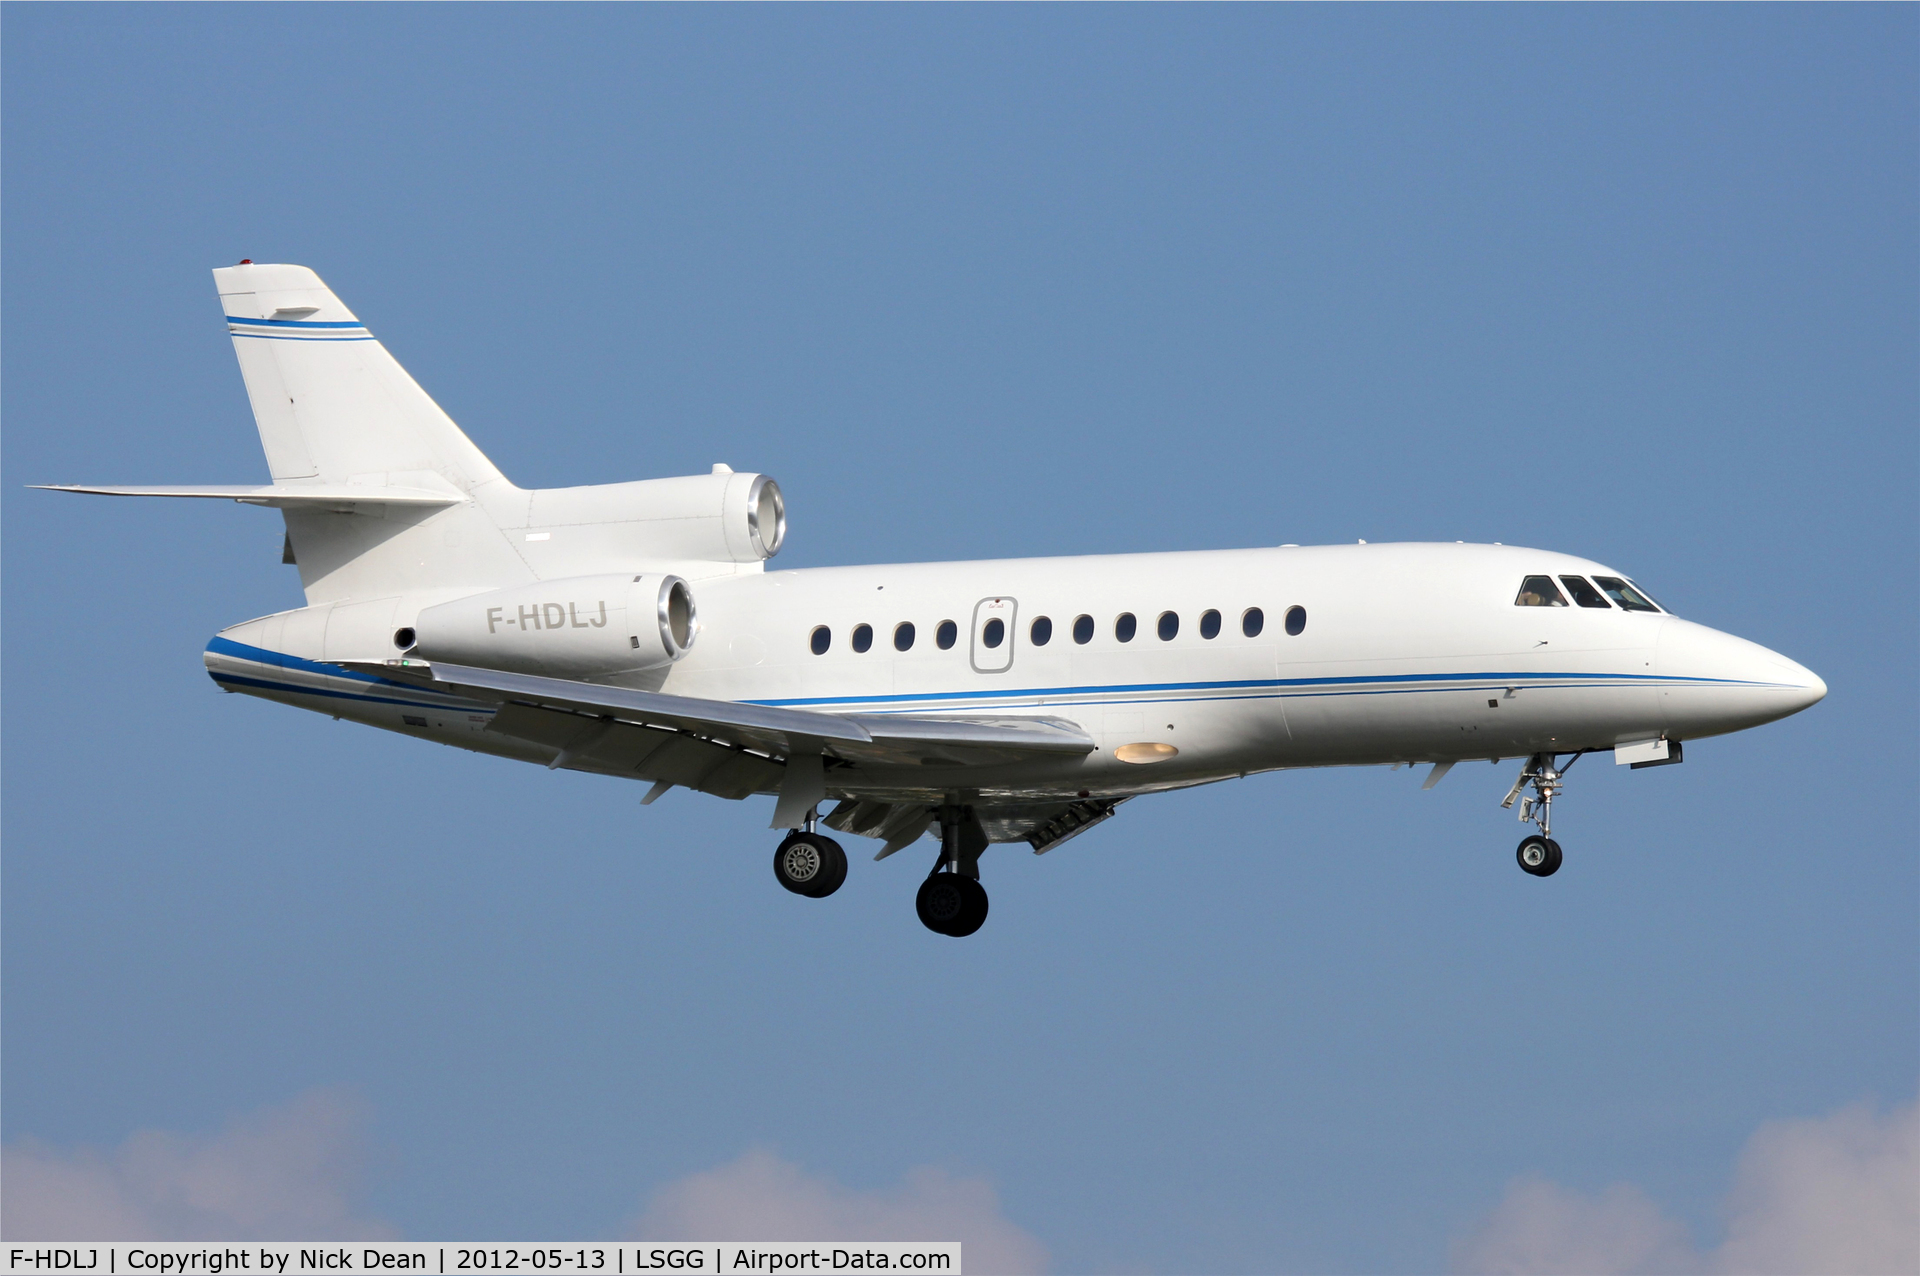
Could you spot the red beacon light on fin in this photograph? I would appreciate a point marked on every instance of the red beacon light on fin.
(246, 261)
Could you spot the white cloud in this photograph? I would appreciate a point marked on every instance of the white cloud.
(1839, 1195)
(285, 1173)
(763, 1198)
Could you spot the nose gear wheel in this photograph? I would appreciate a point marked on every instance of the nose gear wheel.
(1539, 854)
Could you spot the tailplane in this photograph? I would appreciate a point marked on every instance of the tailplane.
(384, 498)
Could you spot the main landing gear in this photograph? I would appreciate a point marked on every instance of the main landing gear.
(1538, 853)
(809, 863)
(952, 901)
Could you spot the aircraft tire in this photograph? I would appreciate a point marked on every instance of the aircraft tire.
(809, 864)
(951, 904)
(836, 875)
(975, 914)
(1538, 855)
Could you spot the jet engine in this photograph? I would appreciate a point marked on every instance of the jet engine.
(581, 627)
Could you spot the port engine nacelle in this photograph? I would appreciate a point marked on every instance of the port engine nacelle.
(581, 627)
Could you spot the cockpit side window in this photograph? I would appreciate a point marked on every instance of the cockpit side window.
(1584, 593)
(1629, 598)
(1539, 591)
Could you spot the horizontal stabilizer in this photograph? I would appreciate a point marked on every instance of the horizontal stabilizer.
(280, 496)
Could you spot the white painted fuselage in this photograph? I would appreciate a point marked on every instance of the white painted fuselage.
(1408, 653)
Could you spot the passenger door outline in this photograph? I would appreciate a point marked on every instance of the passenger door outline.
(983, 658)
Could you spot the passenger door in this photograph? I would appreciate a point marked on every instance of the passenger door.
(992, 650)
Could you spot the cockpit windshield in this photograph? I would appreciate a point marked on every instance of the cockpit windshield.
(1624, 594)
(1583, 593)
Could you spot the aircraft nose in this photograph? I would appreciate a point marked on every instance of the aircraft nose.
(1713, 682)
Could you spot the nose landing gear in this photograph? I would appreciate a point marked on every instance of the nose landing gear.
(1538, 853)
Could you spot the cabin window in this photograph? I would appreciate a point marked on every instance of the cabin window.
(1083, 629)
(863, 637)
(1169, 626)
(1042, 632)
(903, 636)
(993, 633)
(946, 635)
(821, 640)
(1125, 626)
(1584, 593)
(1209, 624)
(1252, 621)
(1629, 598)
(1296, 621)
(1539, 591)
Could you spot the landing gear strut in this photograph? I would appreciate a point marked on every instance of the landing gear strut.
(809, 863)
(952, 901)
(1538, 853)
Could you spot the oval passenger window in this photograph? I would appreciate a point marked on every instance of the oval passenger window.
(862, 637)
(1083, 629)
(903, 636)
(994, 633)
(1169, 625)
(946, 635)
(1296, 620)
(822, 639)
(1042, 631)
(1124, 627)
(1252, 621)
(1210, 624)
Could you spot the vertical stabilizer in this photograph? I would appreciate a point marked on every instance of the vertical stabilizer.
(332, 405)
(334, 408)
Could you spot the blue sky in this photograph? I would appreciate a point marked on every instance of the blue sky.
(1633, 283)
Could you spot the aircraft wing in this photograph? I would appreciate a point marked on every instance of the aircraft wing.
(880, 738)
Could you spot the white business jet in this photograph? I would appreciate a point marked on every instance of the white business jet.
(632, 629)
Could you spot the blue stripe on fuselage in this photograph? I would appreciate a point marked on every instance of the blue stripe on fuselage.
(1276, 686)
(281, 660)
(298, 690)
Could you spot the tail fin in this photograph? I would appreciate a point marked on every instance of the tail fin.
(332, 405)
(339, 416)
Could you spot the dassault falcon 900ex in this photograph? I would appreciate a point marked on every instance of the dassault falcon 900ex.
(631, 629)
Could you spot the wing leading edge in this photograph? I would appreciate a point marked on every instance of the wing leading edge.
(875, 738)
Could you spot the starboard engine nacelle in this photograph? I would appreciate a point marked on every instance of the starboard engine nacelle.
(581, 627)
(721, 517)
